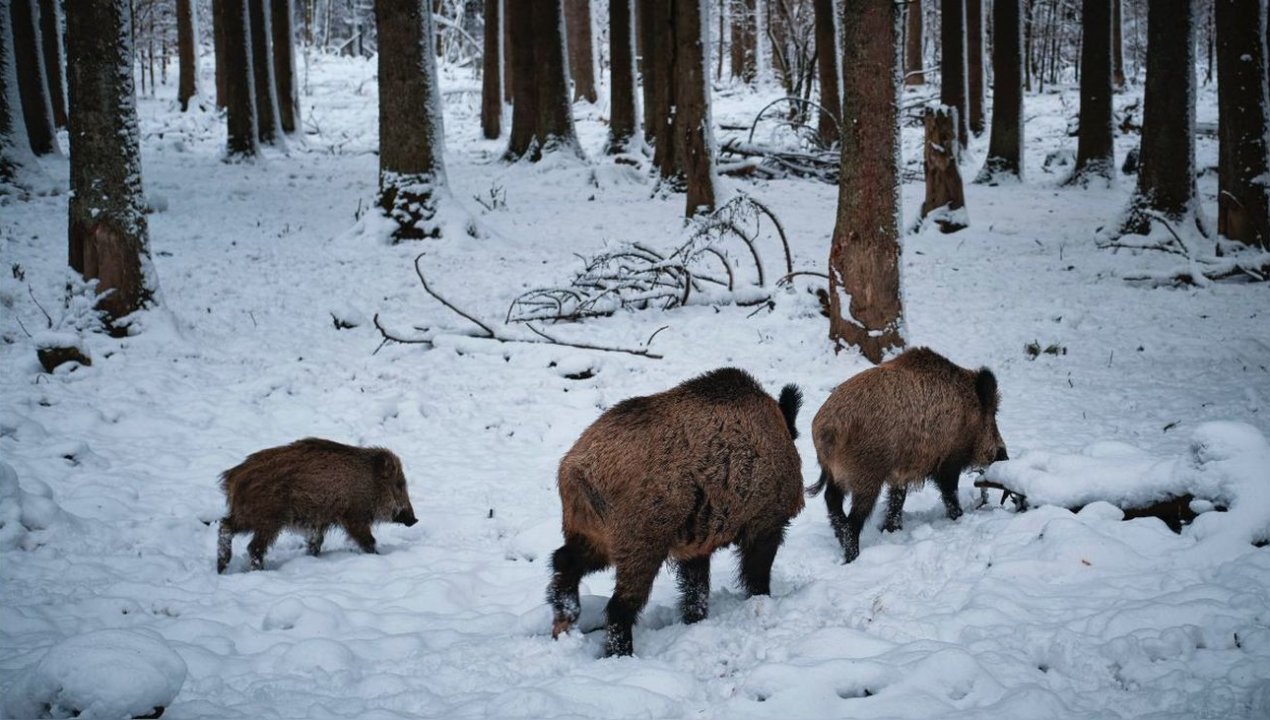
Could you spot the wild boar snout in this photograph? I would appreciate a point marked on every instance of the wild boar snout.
(405, 517)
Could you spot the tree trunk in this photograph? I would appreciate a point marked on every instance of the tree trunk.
(645, 27)
(1243, 210)
(744, 40)
(523, 77)
(542, 118)
(1095, 154)
(267, 122)
(622, 119)
(33, 86)
(187, 48)
(54, 67)
(974, 65)
(507, 50)
(1028, 31)
(952, 53)
(15, 148)
(219, 43)
(945, 195)
(830, 74)
(695, 134)
(283, 36)
(492, 73)
(581, 56)
(914, 62)
(108, 239)
(864, 267)
(1005, 146)
(1117, 46)
(1166, 171)
(664, 66)
(411, 135)
(240, 88)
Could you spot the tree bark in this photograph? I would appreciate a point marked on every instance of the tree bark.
(695, 134)
(33, 86)
(219, 42)
(187, 49)
(240, 89)
(952, 54)
(662, 48)
(523, 77)
(411, 135)
(1166, 171)
(581, 56)
(974, 65)
(944, 190)
(108, 239)
(830, 73)
(492, 73)
(1243, 209)
(1095, 153)
(622, 119)
(15, 149)
(744, 40)
(1005, 146)
(914, 62)
(283, 36)
(54, 67)
(864, 257)
(542, 117)
(267, 122)
(1117, 46)
(507, 50)
(645, 27)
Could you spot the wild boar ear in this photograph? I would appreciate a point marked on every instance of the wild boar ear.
(986, 389)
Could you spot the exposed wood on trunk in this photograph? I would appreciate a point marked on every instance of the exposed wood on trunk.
(1005, 146)
(1095, 153)
(581, 58)
(952, 79)
(622, 120)
(492, 73)
(944, 191)
(1242, 206)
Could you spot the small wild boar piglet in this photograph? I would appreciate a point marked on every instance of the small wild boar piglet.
(309, 486)
(915, 416)
(704, 465)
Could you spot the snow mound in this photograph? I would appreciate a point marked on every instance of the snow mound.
(22, 512)
(101, 674)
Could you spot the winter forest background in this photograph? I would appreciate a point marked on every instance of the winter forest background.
(462, 230)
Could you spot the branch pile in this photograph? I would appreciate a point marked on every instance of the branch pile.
(1225, 260)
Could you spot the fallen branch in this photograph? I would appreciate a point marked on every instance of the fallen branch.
(1175, 511)
(1234, 261)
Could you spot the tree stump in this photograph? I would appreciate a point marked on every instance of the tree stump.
(945, 197)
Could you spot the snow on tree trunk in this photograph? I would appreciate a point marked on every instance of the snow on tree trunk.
(581, 54)
(542, 115)
(974, 65)
(240, 80)
(945, 196)
(1005, 145)
(492, 73)
(865, 305)
(1166, 171)
(1095, 154)
(283, 36)
(16, 159)
(695, 133)
(914, 62)
(1117, 45)
(952, 53)
(108, 239)
(622, 117)
(411, 135)
(744, 31)
(267, 121)
(32, 83)
(1243, 209)
(54, 66)
(830, 73)
(187, 44)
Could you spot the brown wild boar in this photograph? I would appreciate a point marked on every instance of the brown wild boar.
(704, 465)
(309, 486)
(910, 418)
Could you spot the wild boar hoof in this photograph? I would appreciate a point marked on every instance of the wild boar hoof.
(560, 627)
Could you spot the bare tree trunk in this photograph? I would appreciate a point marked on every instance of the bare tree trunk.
(219, 44)
(830, 73)
(864, 261)
(664, 67)
(108, 239)
(914, 63)
(581, 56)
(1005, 146)
(15, 149)
(695, 134)
(945, 194)
(1117, 46)
(1095, 153)
(54, 67)
(1243, 209)
(283, 36)
(411, 135)
(32, 83)
(645, 27)
(523, 77)
(507, 49)
(1028, 29)
(1166, 173)
(542, 118)
(952, 52)
(267, 122)
(492, 73)
(622, 119)
(187, 85)
(974, 64)
(744, 40)
(240, 79)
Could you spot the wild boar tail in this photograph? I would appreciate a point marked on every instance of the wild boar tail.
(791, 400)
(814, 490)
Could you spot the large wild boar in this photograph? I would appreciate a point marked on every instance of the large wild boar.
(913, 417)
(679, 474)
(309, 486)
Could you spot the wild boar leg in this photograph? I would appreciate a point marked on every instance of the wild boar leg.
(837, 518)
(864, 495)
(359, 531)
(895, 495)
(224, 544)
(946, 478)
(694, 588)
(635, 573)
(314, 538)
(758, 552)
(259, 545)
(569, 564)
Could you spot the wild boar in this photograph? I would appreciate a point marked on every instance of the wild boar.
(913, 417)
(309, 486)
(704, 465)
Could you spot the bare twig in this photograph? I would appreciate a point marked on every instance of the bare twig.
(41, 307)
(447, 303)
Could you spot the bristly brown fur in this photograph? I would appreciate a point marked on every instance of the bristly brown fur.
(704, 465)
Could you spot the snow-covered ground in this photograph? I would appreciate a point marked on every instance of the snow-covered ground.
(107, 517)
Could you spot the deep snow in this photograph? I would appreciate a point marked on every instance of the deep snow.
(1045, 614)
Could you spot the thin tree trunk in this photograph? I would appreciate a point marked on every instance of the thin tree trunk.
(1117, 46)
(952, 81)
(492, 73)
(692, 105)
(33, 86)
(507, 48)
(283, 36)
(974, 65)
(1028, 29)
(240, 79)
(664, 66)
(830, 73)
(1166, 171)
(219, 44)
(267, 122)
(744, 48)
(1005, 146)
(914, 62)
(645, 26)
(523, 78)
(187, 48)
(1095, 153)
(581, 55)
(54, 67)
(864, 260)
(1243, 209)
(108, 239)
(622, 117)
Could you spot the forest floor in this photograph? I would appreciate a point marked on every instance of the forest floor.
(1043, 614)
